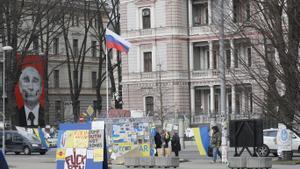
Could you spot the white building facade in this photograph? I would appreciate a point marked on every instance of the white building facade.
(175, 51)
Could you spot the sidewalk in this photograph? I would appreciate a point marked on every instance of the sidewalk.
(205, 164)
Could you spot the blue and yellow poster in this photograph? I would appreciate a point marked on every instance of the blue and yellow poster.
(81, 146)
(131, 137)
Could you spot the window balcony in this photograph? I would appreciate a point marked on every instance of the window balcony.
(161, 31)
(214, 73)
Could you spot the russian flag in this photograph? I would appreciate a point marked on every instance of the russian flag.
(113, 40)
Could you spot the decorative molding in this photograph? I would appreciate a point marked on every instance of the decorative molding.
(144, 2)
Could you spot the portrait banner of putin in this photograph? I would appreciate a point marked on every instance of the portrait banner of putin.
(29, 92)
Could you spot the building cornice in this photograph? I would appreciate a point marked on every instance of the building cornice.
(144, 2)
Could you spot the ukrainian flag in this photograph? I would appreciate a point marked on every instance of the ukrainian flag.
(201, 135)
(40, 134)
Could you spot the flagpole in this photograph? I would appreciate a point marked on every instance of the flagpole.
(120, 44)
(106, 62)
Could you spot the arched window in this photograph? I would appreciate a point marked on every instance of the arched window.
(146, 18)
(149, 105)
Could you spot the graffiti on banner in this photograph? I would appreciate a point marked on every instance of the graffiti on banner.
(75, 158)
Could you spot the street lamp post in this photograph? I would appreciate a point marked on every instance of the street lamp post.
(5, 48)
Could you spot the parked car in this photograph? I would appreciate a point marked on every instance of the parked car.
(270, 143)
(26, 143)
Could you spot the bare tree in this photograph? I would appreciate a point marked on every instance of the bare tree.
(107, 16)
(23, 23)
(79, 13)
(272, 27)
(113, 15)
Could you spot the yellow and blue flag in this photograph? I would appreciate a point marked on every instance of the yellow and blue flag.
(202, 139)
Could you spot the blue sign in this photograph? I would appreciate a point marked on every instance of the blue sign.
(284, 135)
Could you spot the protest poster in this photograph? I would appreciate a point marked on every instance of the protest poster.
(81, 146)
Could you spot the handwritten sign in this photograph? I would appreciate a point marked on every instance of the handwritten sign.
(77, 138)
(98, 155)
(95, 139)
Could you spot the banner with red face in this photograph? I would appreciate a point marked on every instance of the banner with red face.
(29, 91)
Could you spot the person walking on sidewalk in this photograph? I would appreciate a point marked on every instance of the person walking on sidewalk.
(216, 143)
(175, 143)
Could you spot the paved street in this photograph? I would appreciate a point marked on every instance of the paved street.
(47, 161)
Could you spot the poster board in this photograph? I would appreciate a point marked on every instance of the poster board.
(81, 146)
(131, 139)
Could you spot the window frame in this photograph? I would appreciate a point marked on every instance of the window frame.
(147, 105)
(94, 79)
(147, 62)
(75, 47)
(144, 24)
(55, 46)
(241, 10)
(56, 78)
(202, 8)
(93, 48)
(35, 44)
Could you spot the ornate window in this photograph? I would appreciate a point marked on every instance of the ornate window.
(56, 78)
(200, 12)
(241, 10)
(94, 48)
(146, 18)
(147, 61)
(149, 106)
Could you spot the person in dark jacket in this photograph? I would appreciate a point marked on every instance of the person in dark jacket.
(216, 143)
(158, 142)
(175, 143)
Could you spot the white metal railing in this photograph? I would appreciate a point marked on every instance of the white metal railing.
(165, 75)
(213, 73)
(205, 118)
(179, 30)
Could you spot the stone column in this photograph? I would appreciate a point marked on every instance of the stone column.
(232, 53)
(191, 56)
(212, 99)
(211, 54)
(192, 102)
(209, 6)
(233, 106)
(181, 132)
(242, 102)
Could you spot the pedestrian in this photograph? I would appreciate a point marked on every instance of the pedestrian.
(158, 142)
(175, 143)
(166, 137)
(216, 143)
